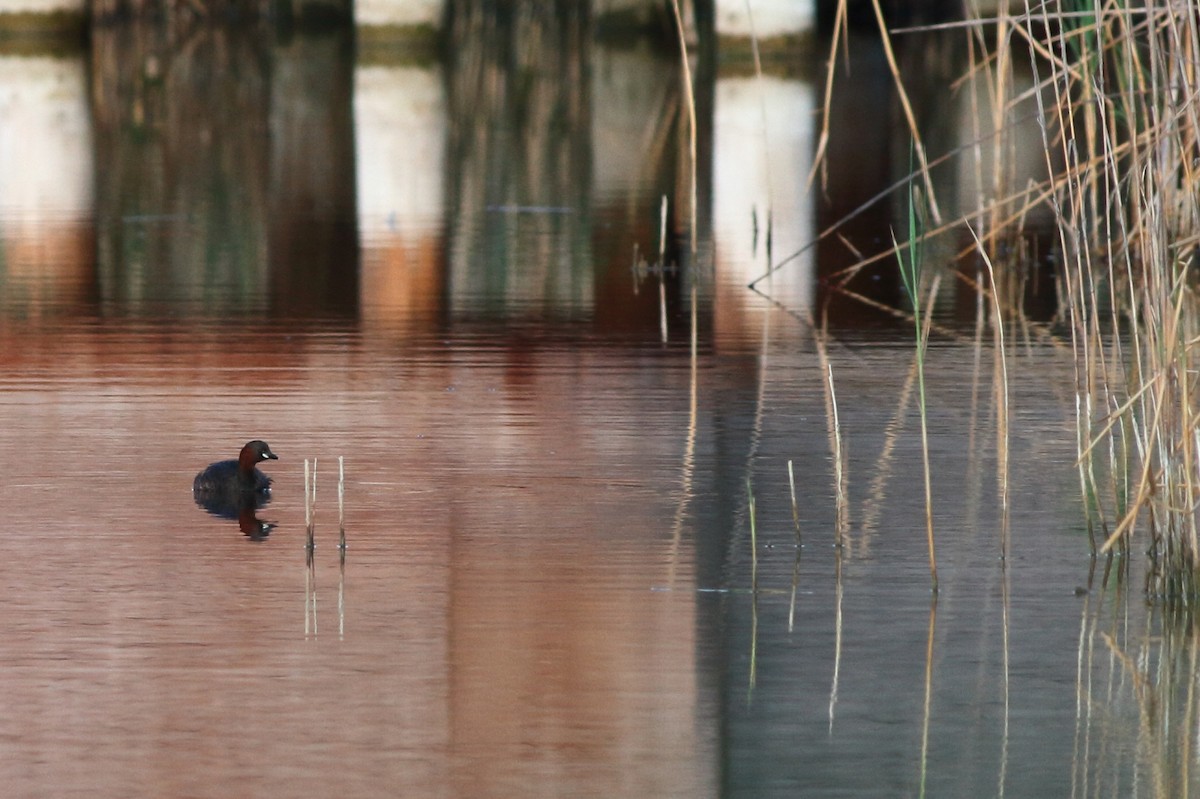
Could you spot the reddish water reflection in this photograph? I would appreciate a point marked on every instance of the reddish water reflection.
(506, 524)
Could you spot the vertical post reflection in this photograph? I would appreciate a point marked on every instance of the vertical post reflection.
(224, 170)
(46, 192)
(313, 240)
(400, 143)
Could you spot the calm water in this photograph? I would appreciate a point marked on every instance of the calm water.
(429, 272)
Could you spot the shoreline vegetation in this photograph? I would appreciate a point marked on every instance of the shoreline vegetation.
(1115, 95)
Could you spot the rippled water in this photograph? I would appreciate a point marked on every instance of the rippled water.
(547, 584)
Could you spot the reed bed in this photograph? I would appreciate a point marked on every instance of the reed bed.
(1115, 94)
(1119, 114)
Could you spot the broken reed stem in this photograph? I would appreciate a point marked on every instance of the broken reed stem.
(795, 507)
(342, 505)
(310, 503)
(307, 495)
(839, 473)
(753, 540)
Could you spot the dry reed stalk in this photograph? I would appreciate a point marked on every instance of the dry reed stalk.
(1068, 239)
(310, 583)
(838, 36)
(342, 507)
(1004, 616)
(1002, 409)
(924, 336)
(341, 597)
(977, 141)
(795, 507)
(795, 587)
(310, 502)
(753, 592)
(310, 595)
(690, 97)
(753, 539)
(1000, 107)
(753, 647)
(837, 635)
(834, 432)
(662, 271)
(307, 494)
(927, 714)
(911, 272)
(839, 473)
(909, 116)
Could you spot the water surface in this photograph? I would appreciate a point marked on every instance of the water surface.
(547, 586)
